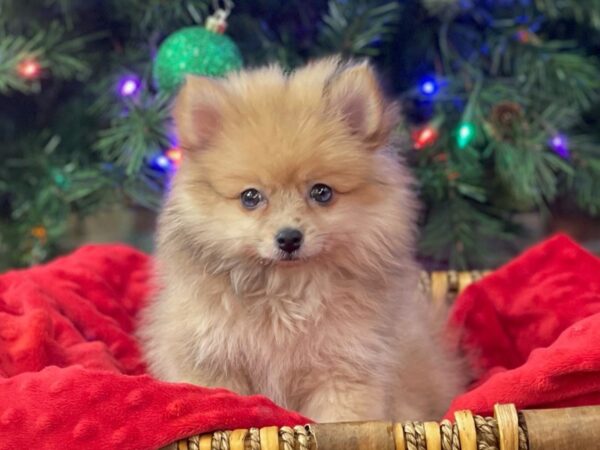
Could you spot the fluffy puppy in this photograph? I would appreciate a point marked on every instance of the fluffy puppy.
(285, 250)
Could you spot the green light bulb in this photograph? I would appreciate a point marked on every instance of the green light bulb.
(466, 133)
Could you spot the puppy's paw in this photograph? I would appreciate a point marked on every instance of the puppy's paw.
(346, 403)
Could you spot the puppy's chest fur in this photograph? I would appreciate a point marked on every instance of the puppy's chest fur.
(280, 339)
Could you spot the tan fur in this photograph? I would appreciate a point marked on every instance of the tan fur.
(341, 335)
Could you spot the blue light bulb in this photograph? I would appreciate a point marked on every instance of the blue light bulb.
(161, 161)
(429, 87)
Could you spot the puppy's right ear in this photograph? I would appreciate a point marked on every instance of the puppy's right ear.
(198, 111)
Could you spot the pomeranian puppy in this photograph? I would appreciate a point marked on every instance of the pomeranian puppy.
(285, 250)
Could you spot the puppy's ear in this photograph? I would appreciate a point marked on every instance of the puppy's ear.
(354, 92)
(198, 111)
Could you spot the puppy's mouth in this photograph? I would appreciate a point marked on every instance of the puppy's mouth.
(284, 260)
(288, 260)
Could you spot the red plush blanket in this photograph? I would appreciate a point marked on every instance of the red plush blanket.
(71, 373)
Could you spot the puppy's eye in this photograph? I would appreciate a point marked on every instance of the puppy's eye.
(251, 198)
(321, 193)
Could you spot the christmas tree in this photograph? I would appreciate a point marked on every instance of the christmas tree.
(501, 100)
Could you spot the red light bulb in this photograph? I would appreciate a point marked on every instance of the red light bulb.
(425, 137)
(174, 154)
(29, 69)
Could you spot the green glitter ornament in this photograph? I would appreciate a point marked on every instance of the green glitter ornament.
(194, 50)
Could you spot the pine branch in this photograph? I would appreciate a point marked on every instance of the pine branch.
(457, 231)
(137, 133)
(559, 76)
(582, 11)
(57, 54)
(530, 175)
(584, 184)
(146, 190)
(355, 28)
(14, 49)
(51, 187)
(148, 17)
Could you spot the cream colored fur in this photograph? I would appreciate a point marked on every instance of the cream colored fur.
(341, 335)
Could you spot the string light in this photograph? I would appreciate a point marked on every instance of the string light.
(453, 176)
(167, 161)
(560, 145)
(39, 233)
(174, 154)
(29, 69)
(425, 137)
(429, 87)
(527, 35)
(129, 85)
(59, 178)
(161, 162)
(465, 134)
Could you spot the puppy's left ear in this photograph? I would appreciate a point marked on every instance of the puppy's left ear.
(354, 92)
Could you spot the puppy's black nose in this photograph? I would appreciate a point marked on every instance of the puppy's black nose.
(289, 239)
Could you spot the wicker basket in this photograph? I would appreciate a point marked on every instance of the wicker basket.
(550, 429)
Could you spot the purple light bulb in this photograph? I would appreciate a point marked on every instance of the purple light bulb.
(560, 145)
(129, 85)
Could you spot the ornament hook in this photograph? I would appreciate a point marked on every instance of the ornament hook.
(217, 23)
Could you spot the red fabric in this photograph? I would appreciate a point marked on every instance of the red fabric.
(71, 372)
(533, 330)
